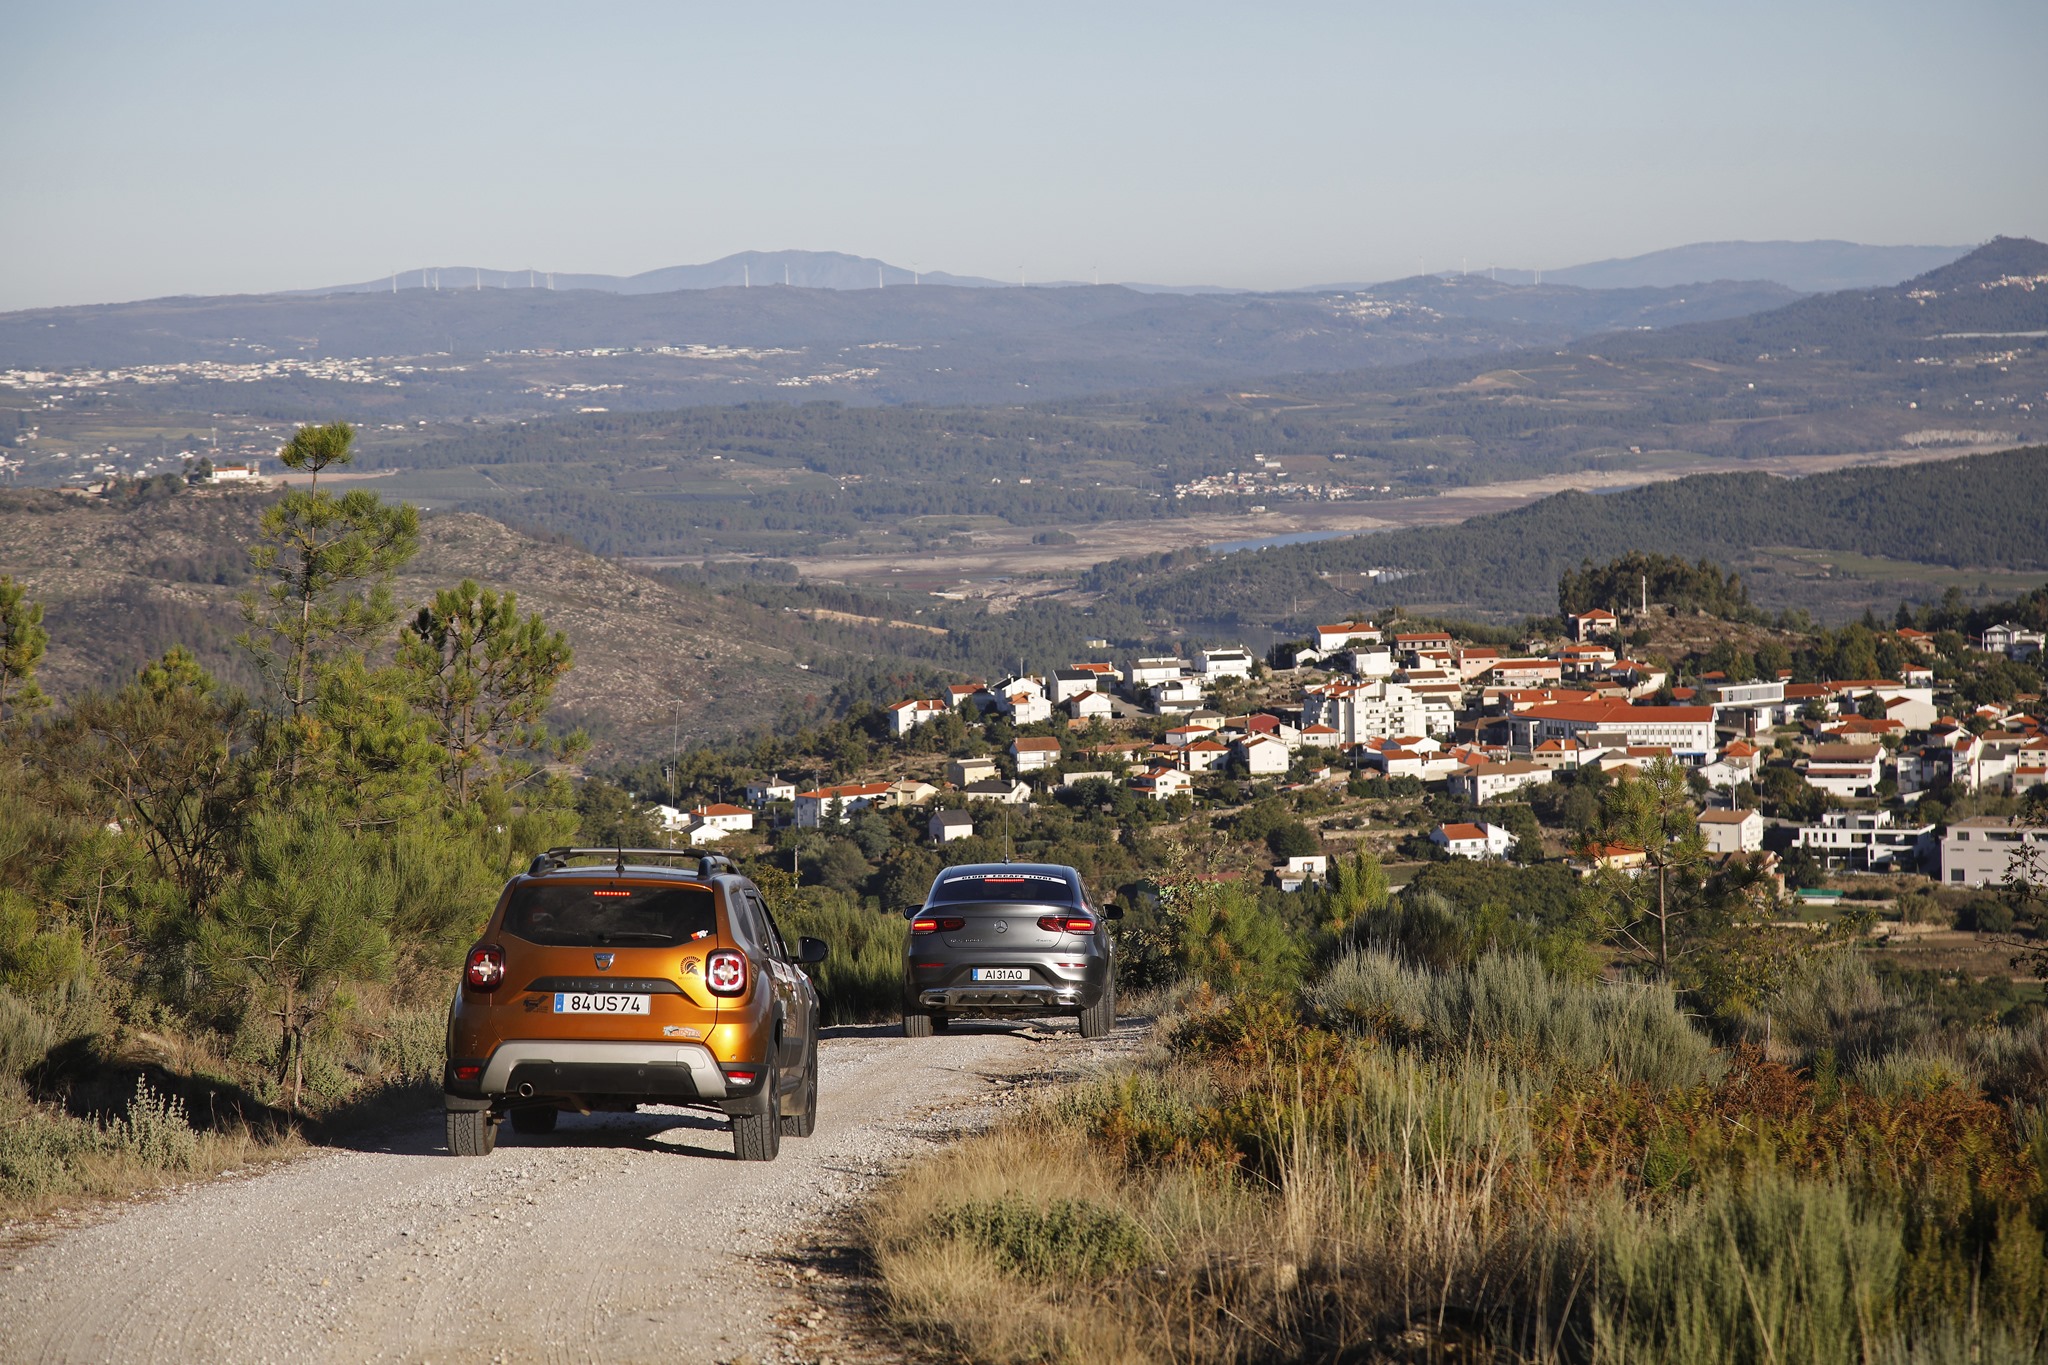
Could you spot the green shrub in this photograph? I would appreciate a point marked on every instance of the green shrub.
(861, 978)
(1512, 1004)
(154, 1131)
(1776, 1270)
(1064, 1241)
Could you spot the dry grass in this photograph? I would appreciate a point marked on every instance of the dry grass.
(1262, 1188)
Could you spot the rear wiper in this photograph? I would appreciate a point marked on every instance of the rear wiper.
(637, 935)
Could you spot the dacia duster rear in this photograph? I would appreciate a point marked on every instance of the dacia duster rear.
(624, 983)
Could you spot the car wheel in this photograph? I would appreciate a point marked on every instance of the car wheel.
(917, 1025)
(471, 1132)
(805, 1121)
(758, 1137)
(535, 1119)
(1100, 1018)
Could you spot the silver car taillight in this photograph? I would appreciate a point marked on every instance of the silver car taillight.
(725, 972)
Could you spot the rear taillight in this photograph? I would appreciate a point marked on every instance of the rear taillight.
(468, 1071)
(1067, 924)
(486, 967)
(929, 925)
(725, 972)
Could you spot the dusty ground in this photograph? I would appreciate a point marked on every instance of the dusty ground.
(617, 1238)
(1010, 553)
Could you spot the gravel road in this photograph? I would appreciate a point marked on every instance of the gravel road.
(619, 1237)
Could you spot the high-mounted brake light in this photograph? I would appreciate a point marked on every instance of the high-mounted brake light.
(1067, 924)
(725, 972)
(611, 893)
(927, 925)
(486, 967)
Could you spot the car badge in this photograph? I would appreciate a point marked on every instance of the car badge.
(603, 961)
(1002, 926)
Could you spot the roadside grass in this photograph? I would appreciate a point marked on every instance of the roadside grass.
(861, 980)
(1478, 1164)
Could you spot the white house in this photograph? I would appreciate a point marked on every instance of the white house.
(1732, 831)
(1177, 694)
(1033, 753)
(1233, 661)
(906, 716)
(1592, 625)
(1688, 731)
(1302, 869)
(1000, 790)
(1068, 683)
(1264, 756)
(1024, 705)
(720, 815)
(2012, 640)
(823, 806)
(1091, 705)
(1358, 710)
(947, 825)
(770, 789)
(1867, 840)
(1979, 851)
(1204, 755)
(1845, 769)
(1481, 782)
(1162, 783)
(1158, 669)
(1477, 842)
(1336, 636)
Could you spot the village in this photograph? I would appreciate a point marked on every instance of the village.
(1462, 750)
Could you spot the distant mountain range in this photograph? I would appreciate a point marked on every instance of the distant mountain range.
(1808, 267)
(1802, 267)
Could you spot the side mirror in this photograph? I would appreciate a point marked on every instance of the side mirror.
(811, 951)
(1115, 911)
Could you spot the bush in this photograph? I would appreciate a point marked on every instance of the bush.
(1772, 1271)
(1066, 1241)
(1511, 1004)
(861, 978)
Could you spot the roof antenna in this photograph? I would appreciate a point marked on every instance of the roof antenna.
(619, 870)
(1006, 833)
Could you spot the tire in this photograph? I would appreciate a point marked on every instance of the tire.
(471, 1132)
(1099, 1019)
(805, 1121)
(758, 1137)
(535, 1119)
(916, 1025)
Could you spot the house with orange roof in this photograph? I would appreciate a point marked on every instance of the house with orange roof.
(1476, 842)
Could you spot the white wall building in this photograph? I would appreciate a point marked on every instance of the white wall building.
(1979, 851)
(1477, 842)
(1867, 841)
(1732, 831)
(1233, 661)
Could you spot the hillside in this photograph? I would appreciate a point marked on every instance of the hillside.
(1978, 514)
(465, 352)
(121, 586)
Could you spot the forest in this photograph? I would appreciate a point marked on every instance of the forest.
(1983, 511)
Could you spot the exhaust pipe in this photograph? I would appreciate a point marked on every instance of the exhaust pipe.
(526, 1091)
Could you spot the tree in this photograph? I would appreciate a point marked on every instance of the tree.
(168, 751)
(1652, 810)
(327, 562)
(484, 677)
(304, 921)
(22, 641)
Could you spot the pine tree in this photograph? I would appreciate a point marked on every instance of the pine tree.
(22, 641)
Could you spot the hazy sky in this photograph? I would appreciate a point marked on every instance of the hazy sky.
(151, 149)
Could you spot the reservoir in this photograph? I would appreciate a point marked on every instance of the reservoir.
(1231, 547)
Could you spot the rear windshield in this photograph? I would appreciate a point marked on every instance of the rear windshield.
(1003, 886)
(584, 914)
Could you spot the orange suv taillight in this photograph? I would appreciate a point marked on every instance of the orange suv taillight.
(1067, 924)
(486, 967)
(929, 925)
(725, 972)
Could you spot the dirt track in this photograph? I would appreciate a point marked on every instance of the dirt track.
(617, 1238)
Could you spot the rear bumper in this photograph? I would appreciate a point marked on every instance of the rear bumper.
(1008, 998)
(541, 1068)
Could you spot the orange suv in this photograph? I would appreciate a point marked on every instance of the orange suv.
(624, 983)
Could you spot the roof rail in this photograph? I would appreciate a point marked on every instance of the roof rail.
(554, 859)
